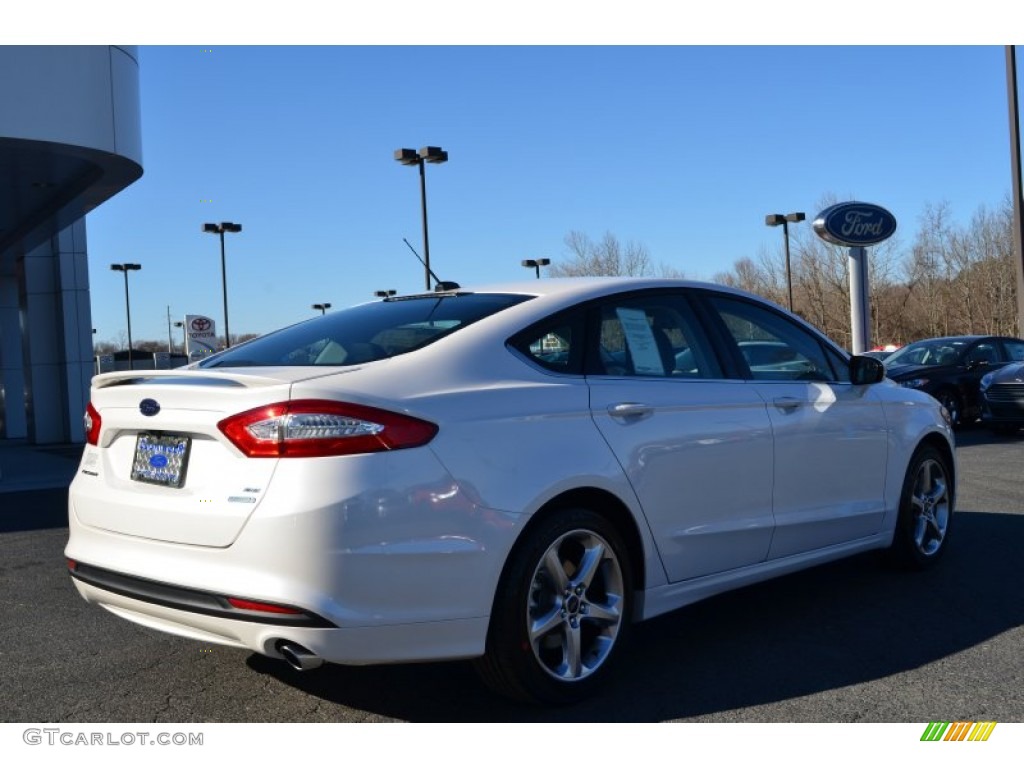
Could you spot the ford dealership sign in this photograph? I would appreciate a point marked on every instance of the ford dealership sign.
(855, 224)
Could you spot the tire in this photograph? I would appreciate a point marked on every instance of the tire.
(562, 611)
(951, 403)
(926, 511)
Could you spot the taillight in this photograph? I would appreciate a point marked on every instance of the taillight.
(92, 423)
(323, 428)
(253, 605)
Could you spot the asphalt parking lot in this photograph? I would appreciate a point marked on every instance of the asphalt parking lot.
(848, 642)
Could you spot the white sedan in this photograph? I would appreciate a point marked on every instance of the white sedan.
(514, 474)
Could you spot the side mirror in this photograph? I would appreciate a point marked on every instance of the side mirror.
(866, 370)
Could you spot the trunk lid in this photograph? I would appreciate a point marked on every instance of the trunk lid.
(219, 487)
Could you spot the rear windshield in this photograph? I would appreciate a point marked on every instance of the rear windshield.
(366, 332)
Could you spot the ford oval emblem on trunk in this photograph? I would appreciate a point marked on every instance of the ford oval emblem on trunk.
(855, 224)
(149, 407)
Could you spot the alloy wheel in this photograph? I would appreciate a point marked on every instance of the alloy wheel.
(952, 405)
(575, 605)
(930, 505)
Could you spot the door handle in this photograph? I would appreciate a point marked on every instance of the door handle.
(629, 410)
(787, 404)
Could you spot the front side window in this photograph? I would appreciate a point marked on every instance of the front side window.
(365, 332)
(1015, 350)
(773, 347)
(840, 365)
(985, 353)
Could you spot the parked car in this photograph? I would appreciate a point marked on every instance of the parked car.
(514, 474)
(878, 354)
(1002, 399)
(881, 353)
(950, 369)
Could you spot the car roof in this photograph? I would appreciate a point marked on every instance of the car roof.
(573, 289)
(556, 293)
(965, 337)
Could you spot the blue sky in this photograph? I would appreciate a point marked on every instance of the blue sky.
(681, 148)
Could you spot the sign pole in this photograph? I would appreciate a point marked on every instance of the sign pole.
(860, 305)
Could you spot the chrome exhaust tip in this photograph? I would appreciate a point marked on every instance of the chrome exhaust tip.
(298, 658)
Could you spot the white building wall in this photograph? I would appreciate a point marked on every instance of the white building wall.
(76, 104)
(56, 338)
(76, 95)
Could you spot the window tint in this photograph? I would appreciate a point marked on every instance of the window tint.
(554, 347)
(1015, 350)
(840, 365)
(652, 336)
(366, 332)
(773, 347)
(985, 353)
(928, 352)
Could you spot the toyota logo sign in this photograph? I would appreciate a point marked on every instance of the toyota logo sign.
(200, 324)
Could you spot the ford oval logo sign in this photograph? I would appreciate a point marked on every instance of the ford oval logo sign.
(855, 224)
(149, 407)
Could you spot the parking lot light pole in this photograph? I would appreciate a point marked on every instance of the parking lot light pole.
(773, 220)
(220, 229)
(126, 268)
(536, 264)
(184, 335)
(322, 307)
(1017, 238)
(434, 155)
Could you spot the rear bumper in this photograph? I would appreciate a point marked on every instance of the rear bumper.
(383, 571)
(193, 600)
(345, 645)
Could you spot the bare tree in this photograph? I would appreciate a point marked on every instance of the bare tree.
(666, 270)
(609, 257)
(989, 275)
(953, 280)
(961, 277)
(763, 276)
(106, 347)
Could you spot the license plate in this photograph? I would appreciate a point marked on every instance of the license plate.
(161, 459)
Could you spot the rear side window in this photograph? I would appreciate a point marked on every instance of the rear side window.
(556, 347)
(654, 335)
(366, 332)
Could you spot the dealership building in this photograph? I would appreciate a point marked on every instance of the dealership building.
(70, 139)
